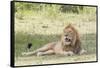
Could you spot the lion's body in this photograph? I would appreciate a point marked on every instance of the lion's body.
(68, 45)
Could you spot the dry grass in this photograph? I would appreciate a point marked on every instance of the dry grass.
(53, 59)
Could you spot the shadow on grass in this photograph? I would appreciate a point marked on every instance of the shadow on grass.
(37, 40)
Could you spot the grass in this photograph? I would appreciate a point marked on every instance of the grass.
(40, 28)
(88, 42)
(53, 59)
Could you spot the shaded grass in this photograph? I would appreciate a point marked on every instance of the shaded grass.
(88, 42)
(22, 40)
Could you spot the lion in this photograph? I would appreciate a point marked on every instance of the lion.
(68, 45)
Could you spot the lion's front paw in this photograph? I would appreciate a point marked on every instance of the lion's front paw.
(39, 54)
(69, 53)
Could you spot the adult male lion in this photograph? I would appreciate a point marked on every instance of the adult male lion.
(69, 44)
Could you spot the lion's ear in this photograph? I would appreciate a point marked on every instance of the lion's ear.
(68, 26)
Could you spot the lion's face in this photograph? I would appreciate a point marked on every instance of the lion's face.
(68, 36)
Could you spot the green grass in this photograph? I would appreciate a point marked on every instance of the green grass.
(88, 42)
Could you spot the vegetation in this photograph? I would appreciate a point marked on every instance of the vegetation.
(39, 23)
(49, 10)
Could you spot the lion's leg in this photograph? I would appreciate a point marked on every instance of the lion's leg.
(66, 53)
(47, 47)
(49, 52)
(42, 49)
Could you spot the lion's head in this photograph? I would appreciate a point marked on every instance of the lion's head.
(70, 37)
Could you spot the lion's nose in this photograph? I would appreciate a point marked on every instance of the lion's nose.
(67, 39)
